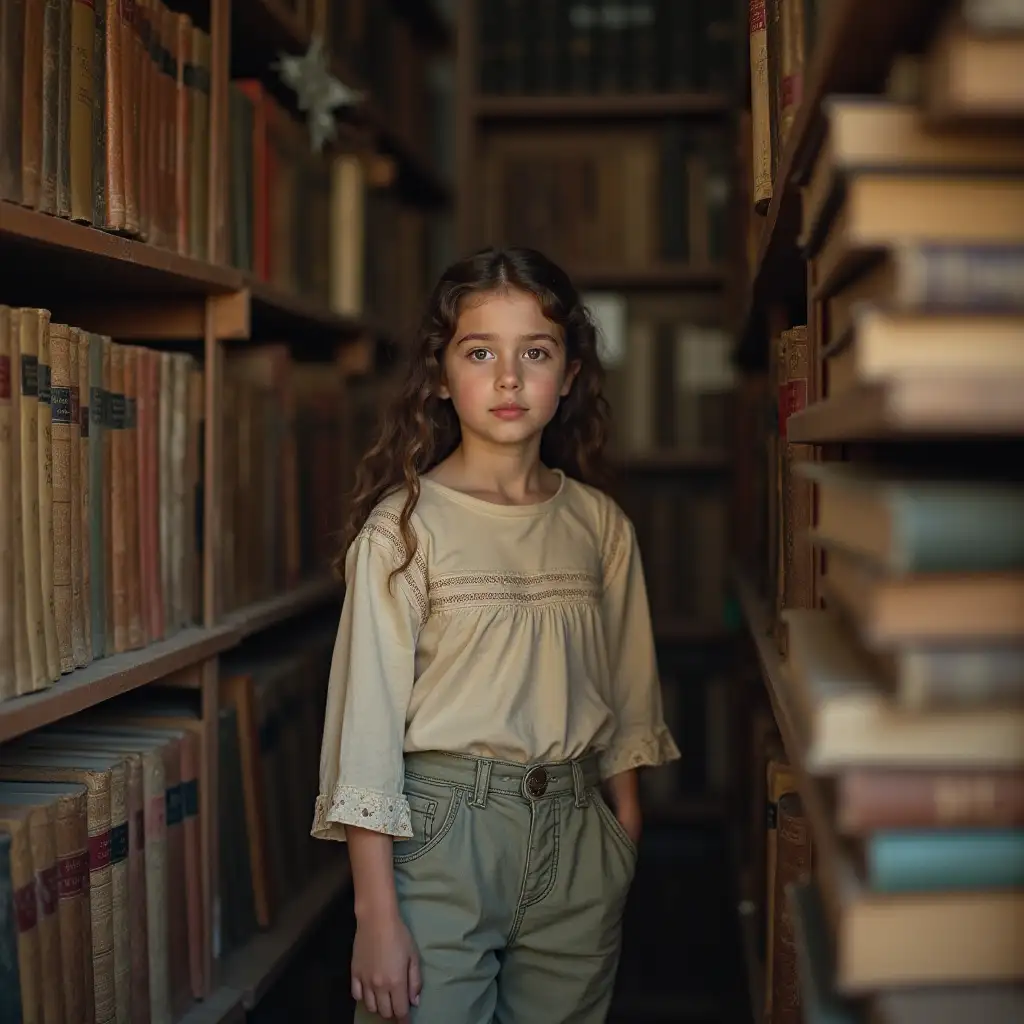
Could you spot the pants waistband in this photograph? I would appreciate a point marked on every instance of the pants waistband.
(485, 776)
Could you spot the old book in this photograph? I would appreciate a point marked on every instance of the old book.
(12, 62)
(120, 504)
(169, 111)
(15, 824)
(107, 346)
(148, 469)
(50, 103)
(846, 716)
(61, 528)
(64, 103)
(19, 610)
(44, 414)
(145, 72)
(181, 501)
(781, 780)
(69, 801)
(98, 500)
(130, 466)
(128, 847)
(131, 85)
(199, 145)
(32, 103)
(79, 596)
(10, 608)
(99, 121)
(23, 764)
(28, 360)
(41, 818)
(10, 984)
(115, 111)
(760, 106)
(85, 486)
(182, 131)
(793, 866)
(82, 64)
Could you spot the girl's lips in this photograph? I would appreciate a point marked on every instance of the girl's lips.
(508, 412)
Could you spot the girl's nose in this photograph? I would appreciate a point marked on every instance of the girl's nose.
(508, 375)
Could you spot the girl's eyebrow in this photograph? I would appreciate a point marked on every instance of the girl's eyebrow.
(536, 336)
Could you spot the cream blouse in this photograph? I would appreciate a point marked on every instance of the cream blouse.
(519, 632)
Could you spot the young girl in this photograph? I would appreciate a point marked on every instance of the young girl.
(494, 673)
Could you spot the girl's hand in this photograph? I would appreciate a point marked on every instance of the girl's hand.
(631, 820)
(385, 967)
(624, 795)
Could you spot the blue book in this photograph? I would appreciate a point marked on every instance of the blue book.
(10, 982)
(944, 860)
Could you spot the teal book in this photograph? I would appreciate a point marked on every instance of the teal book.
(944, 860)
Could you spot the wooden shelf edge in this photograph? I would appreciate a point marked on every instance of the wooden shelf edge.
(599, 106)
(286, 310)
(222, 1006)
(657, 276)
(254, 618)
(254, 968)
(109, 677)
(20, 225)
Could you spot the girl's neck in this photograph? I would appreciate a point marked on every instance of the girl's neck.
(511, 475)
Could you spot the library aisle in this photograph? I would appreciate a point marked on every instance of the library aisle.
(799, 226)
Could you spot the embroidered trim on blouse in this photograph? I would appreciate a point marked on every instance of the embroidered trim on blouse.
(367, 808)
(415, 574)
(469, 588)
(649, 750)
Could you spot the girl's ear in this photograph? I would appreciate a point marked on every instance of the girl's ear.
(570, 376)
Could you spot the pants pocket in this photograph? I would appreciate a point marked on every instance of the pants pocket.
(432, 809)
(612, 826)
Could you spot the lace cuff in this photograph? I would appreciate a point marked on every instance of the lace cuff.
(649, 749)
(367, 808)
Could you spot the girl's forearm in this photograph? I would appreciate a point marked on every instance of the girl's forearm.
(624, 791)
(373, 877)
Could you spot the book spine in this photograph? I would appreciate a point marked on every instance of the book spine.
(8, 605)
(81, 77)
(32, 104)
(934, 860)
(44, 412)
(64, 548)
(874, 800)
(933, 277)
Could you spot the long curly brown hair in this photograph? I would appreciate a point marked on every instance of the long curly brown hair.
(419, 429)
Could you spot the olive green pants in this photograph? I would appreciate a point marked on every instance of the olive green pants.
(513, 886)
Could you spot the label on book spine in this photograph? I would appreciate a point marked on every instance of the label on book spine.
(116, 407)
(76, 410)
(190, 797)
(5, 377)
(72, 875)
(119, 843)
(131, 414)
(60, 400)
(47, 884)
(26, 907)
(174, 806)
(44, 384)
(99, 851)
(29, 376)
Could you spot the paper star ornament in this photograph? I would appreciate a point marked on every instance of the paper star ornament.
(319, 92)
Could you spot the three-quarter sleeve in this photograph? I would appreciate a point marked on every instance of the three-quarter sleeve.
(361, 757)
(641, 736)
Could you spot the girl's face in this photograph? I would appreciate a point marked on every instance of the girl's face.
(505, 368)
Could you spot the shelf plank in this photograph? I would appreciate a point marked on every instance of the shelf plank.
(853, 53)
(109, 677)
(277, 609)
(254, 968)
(914, 409)
(276, 313)
(35, 245)
(223, 1006)
(600, 107)
(659, 276)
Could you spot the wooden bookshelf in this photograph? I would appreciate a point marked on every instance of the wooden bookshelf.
(602, 107)
(155, 297)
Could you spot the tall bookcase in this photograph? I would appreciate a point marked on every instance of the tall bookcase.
(157, 295)
(858, 450)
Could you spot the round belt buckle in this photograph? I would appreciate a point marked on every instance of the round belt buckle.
(536, 782)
